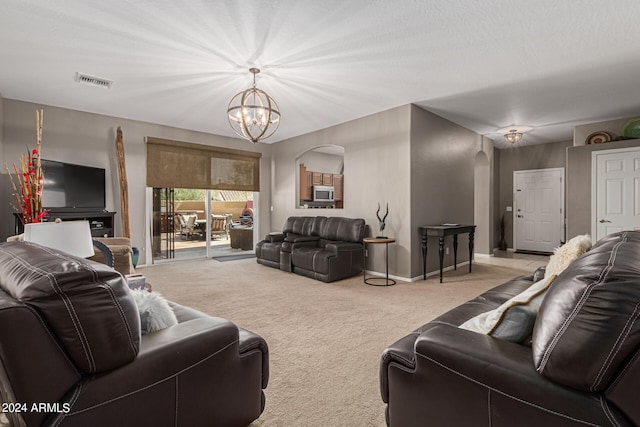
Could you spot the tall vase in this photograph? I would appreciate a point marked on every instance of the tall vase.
(503, 243)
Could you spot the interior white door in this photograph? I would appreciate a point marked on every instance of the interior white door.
(615, 191)
(538, 209)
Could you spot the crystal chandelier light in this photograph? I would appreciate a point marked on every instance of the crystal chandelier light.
(514, 133)
(253, 114)
(513, 136)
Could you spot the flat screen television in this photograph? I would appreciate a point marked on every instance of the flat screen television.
(69, 187)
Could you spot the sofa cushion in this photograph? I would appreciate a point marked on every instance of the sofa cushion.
(303, 225)
(343, 229)
(86, 305)
(312, 259)
(587, 324)
(514, 319)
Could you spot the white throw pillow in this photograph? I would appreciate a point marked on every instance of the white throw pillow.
(488, 322)
(566, 254)
(155, 312)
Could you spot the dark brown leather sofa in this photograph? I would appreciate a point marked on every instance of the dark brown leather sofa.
(70, 344)
(322, 248)
(580, 367)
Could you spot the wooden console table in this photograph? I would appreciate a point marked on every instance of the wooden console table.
(442, 231)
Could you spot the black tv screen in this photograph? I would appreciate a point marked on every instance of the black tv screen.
(71, 187)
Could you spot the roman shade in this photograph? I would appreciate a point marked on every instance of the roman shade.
(177, 164)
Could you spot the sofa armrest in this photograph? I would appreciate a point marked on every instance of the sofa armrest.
(250, 342)
(203, 347)
(274, 237)
(505, 370)
(247, 340)
(401, 352)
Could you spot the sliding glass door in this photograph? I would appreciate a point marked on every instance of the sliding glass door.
(194, 223)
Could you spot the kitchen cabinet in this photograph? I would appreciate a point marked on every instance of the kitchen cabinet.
(338, 187)
(316, 178)
(305, 184)
(309, 178)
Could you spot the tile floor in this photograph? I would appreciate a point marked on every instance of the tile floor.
(514, 260)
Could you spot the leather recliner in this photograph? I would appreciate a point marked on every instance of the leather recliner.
(72, 353)
(322, 248)
(581, 365)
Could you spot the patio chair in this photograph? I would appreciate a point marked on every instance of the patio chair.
(219, 226)
(187, 224)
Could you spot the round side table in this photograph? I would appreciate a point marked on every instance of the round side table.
(371, 280)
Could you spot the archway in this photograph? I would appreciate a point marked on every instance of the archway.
(320, 178)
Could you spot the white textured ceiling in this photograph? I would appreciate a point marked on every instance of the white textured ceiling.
(485, 64)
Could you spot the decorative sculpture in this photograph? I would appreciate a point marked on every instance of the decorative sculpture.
(381, 221)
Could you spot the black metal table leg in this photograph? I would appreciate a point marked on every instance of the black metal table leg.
(455, 251)
(470, 250)
(424, 256)
(441, 252)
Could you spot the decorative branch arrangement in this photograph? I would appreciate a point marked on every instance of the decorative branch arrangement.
(28, 181)
(124, 188)
(381, 221)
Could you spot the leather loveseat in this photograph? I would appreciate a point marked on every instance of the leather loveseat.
(580, 366)
(322, 248)
(72, 353)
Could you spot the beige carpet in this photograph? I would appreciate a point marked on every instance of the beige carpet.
(325, 339)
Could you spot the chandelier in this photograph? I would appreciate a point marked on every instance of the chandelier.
(514, 133)
(513, 136)
(253, 114)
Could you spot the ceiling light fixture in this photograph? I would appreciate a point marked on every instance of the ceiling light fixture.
(514, 133)
(253, 114)
(513, 136)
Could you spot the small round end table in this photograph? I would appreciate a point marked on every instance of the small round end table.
(371, 280)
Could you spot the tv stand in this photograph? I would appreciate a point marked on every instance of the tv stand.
(101, 222)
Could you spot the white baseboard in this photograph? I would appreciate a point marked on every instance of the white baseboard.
(476, 255)
(437, 272)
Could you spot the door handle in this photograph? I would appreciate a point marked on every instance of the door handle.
(602, 221)
(520, 216)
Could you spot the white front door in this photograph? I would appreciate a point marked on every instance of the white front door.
(615, 191)
(538, 219)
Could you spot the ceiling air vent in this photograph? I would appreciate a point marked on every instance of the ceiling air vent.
(93, 80)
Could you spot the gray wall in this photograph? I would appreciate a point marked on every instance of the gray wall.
(541, 156)
(579, 184)
(4, 196)
(442, 183)
(376, 169)
(322, 162)
(484, 197)
(88, 139)
(418, 162)
(497, 203)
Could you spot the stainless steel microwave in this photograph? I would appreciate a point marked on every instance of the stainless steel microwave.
(322, 193)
